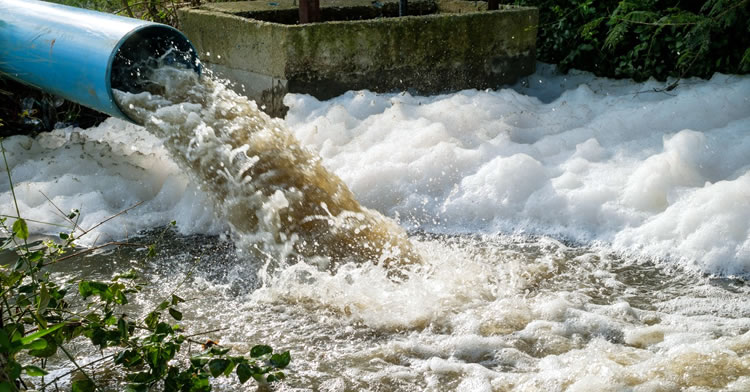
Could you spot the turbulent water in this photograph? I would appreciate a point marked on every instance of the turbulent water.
(574, 233)
(276, 196)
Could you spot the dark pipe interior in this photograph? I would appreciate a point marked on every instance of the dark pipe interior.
(144, 51)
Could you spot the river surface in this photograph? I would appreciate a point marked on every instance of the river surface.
(574, 234)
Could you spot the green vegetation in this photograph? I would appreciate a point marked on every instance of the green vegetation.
(616, 38)
(40, 318)
(644, 38)
(162, 11)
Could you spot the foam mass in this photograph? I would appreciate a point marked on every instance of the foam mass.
(659, 175)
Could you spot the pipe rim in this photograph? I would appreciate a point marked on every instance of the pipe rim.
(173, 33)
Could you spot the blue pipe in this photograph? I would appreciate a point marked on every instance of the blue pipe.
(81, 55)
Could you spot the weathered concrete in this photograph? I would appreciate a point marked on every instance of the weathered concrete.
(453, 45)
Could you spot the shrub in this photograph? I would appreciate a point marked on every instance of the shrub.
(162, 11)
(39, 318)
(643, 38)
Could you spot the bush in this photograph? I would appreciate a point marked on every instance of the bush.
(643, 38)
(28, 110)
(162, 11)
(40, 317)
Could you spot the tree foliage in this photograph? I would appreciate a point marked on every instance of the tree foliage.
(644, 38)
(162, 11)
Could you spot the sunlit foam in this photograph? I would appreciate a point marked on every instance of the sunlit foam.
(276, 195)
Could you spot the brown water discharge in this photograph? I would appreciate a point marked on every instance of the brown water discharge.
(276, 195)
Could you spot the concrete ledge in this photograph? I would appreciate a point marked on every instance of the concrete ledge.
(451, 46)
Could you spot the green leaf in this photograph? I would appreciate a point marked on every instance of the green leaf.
(13, 369)
(198, 362)
(280, 361)
(152, 319)
(4, 341)
(200, 383)
(84, 385)
(115, 292)
(218, 350)
(13, 278)
(151, 251)
(228, 370)
(140, 378)
(176, 314)
(34, 371)
(176, 299)
(244, 372)
(44, 299)
(63, 236)
(88, 288)
(129, 358)
(38, 334)
(20, 229)
(39, 344)
(122, 327)
(260, 350)
(615, 36)
(164, 328)
(36, 256)
(110, 319)
(15, 331)
(217, 366)
(132, 274)
(19, 264)
(7, 387)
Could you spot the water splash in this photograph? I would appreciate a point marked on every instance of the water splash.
(276, 195)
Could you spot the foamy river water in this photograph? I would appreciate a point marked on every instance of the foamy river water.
(576, 234)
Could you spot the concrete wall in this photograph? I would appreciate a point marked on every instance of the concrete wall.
(455, 49)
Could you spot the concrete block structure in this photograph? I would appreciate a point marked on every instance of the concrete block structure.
(442, 46)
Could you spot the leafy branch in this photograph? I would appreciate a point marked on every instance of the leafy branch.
(39, 317)
(645, 38)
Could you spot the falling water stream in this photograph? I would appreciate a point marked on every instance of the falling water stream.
(276, 196)
(571, 234)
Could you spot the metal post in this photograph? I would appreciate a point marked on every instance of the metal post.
(403, 8)
(309, 11)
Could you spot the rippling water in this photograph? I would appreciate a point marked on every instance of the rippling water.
(576, 234)
(495, 313)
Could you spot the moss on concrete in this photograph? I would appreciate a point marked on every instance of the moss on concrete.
(286, 11)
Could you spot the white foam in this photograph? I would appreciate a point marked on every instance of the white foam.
(102, 171)
(660, 175)
(596, 160)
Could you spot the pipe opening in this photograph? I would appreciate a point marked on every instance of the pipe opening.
(146, 49)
